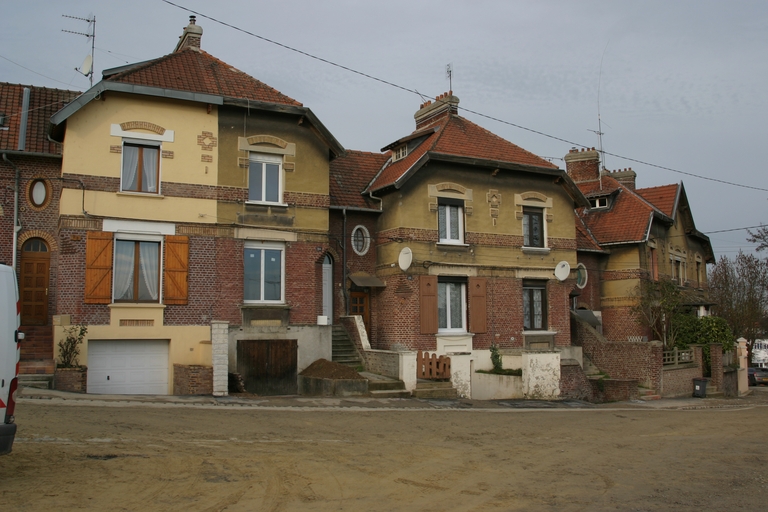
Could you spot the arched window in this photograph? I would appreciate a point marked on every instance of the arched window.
(361, 240)
(35, 245)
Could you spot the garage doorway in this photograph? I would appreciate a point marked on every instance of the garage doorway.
(268, 367)
(128, 367)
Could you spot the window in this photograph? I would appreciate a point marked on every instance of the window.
(399, 152)
(534, 306)
(121, 267)
(361, 240)
(581, 276)
(450, 221)
(39, 193)
(265, 178)
(141, 168)
(137, 271)
(451, 306)
(533, 227)
(263, 273)
(599, 202)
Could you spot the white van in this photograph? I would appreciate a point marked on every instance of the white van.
(10, 318)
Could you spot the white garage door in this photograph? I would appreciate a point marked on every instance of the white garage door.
(128, 367)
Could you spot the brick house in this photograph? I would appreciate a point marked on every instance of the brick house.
(30, 176)
(629, 234)
(193, 227)
(452, 236)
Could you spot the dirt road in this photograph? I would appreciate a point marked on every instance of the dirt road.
(70, 457)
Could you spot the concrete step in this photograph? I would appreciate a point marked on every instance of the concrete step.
(648, 398)
(445, 393)
(36, 367)
(39, 381)
(386, 385)
(433, 384)
(389, 393)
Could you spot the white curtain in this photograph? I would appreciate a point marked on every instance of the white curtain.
(149, 165)
(130, 167)
(148, 262)
(124, 252)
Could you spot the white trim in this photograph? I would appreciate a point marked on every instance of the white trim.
(116, 131)
(139, 226)
(460, 217)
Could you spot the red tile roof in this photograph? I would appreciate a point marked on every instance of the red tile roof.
(626, 220)
(193, 70)
(584, 239)
(350, 174)
(43, 103)
(456, 136)
(664, 198)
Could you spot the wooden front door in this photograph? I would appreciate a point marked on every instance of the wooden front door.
(35, 265)
(268, 367)
(358, 305)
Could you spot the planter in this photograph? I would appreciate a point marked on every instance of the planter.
(490, 386)
(74, 380)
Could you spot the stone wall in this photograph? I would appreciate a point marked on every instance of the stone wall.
(192, 379)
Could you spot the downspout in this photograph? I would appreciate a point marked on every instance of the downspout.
(16, 226)
(344, 260)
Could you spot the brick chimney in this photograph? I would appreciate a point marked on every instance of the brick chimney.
(626, 177)
(191, 36)
(445, 105)
(583, 165)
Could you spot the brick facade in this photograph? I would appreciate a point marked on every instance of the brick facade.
(192, 380)
(74, 380)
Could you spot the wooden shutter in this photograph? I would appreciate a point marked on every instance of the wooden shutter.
(176, 270)
(428, 304)
(98, 267)
(477, 305)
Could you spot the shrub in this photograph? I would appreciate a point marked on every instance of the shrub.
(496, 358)
(69, 347)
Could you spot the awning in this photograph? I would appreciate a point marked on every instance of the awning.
(365, 280)
(588, 316)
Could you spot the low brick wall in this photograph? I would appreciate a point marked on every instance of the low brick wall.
(192, 379)
(574, 383)
(613, 390)
(74, 380)
(678, 380)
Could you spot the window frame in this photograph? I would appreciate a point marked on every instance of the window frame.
(266, 159)
(262, 247)
(366, 240)
(529, 287)
(399, 152)
(528, 212)
(445, 205)
(141, 144)
(444, 294)
(137, 239)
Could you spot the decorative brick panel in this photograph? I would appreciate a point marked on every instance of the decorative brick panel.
(74, 380)
(206, 158)
(167, 154)
(192, 380)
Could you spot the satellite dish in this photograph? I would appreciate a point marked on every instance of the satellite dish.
(405, 259)
(87, 66)
(562, 271)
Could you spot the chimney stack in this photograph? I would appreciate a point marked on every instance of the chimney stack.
(191, 36)
(583, 165)
(626, 177)
(444, 105)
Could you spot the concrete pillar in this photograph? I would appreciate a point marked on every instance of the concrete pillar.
(220, 357)
(541, 375)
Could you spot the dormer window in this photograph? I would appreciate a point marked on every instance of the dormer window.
(599, 202)
(399, 152)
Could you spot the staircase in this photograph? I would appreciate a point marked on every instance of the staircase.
(36, 359)
(590, 370)
(646, 394)
(343, 350)
(434, 389)
(380, 386)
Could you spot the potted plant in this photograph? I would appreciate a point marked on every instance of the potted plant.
(69, 374)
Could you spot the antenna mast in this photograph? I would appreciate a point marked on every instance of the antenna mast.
(87, 65)
(599, 131)
(449, 75)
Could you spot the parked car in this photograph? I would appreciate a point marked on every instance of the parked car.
(757, 376)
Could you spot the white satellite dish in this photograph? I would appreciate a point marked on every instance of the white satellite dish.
(405, 259)
(562, 271)
(87, 66)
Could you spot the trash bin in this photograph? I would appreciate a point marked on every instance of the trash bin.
(700, 388)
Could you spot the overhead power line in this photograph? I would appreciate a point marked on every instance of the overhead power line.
(486, 116)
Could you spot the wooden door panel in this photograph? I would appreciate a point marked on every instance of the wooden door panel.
(35, 268)
(268, 367)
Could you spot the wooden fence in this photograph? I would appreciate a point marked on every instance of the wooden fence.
(432, 367)
(676, 357)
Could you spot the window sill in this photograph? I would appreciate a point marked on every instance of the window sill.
(263, 305)
(265, 203)
(456, 334)
(543, 333)
(149, 195)
(134, 305)
(452, 244)
(536, 250)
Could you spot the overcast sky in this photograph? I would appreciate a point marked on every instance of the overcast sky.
(680, 84)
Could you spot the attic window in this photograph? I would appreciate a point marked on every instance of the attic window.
(399, 152)
(599, 202)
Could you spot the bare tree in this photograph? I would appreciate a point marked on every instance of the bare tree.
(759, 237)
(657, 301)
(739, 288)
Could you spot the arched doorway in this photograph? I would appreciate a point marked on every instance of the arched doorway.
(35, 265)
(328, 287)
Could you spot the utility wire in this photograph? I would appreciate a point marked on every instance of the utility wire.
(35, 72)
(414, 91)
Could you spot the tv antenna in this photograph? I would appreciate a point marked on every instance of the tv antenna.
(449, 75)
(86, 69)
(599, 131)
